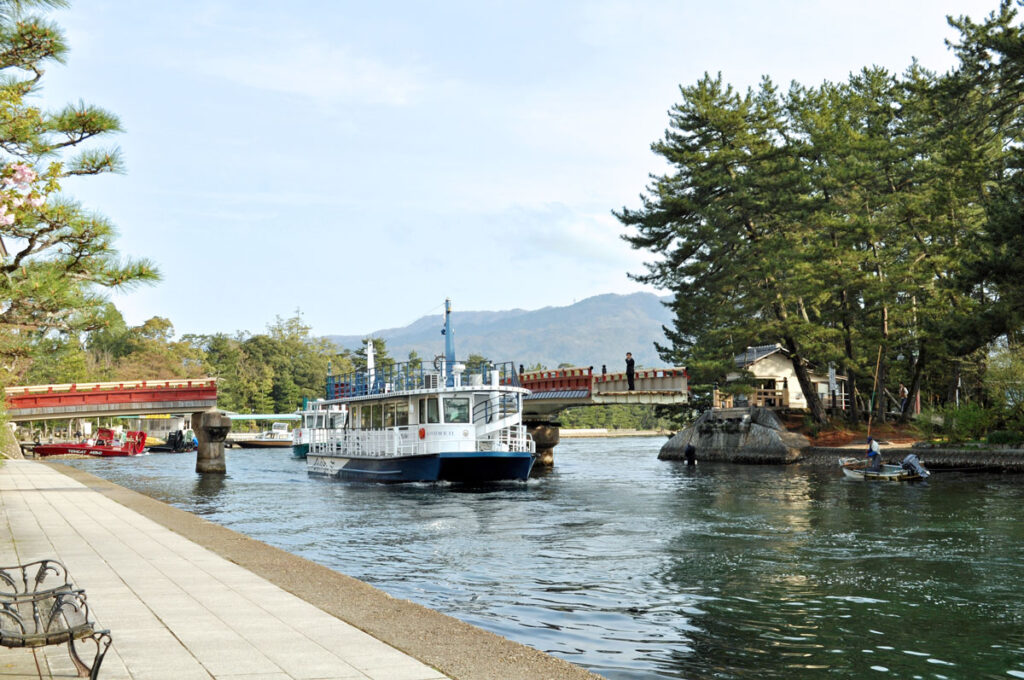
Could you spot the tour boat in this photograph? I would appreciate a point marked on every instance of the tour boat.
(106, 444)
(410, 423)
(278, 436)
(312, 416)
(909, 470)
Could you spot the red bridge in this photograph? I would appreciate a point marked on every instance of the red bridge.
(84, 400)
(561, 388)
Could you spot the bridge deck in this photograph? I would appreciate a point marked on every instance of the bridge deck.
(554, 390)
(85, 400)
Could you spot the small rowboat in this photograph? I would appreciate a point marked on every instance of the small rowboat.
(910, 470)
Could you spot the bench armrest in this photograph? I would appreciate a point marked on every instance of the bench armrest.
(41, 576)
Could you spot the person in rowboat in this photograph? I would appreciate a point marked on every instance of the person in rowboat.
(874, 455)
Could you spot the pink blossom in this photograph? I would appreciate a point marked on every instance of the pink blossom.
(7, 219)
(23, 174)
(16, 202)
(36, 201)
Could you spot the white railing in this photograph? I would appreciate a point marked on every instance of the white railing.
(391, 443)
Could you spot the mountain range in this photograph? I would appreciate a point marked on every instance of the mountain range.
(594, 331)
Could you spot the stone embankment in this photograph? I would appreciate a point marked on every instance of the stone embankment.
(756, 435)
(997, 459)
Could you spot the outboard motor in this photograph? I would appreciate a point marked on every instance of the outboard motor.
(913, 464)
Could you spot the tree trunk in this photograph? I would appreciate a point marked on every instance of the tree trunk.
(915, 384)
(851, 374)
(817, 409)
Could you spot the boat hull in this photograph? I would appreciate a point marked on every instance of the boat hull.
(263, 443)
(300, 450)
(44, 450)
(854, 468)
(460, 467)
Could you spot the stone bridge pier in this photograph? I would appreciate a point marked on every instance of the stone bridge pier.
(211, 428)
(545, 436)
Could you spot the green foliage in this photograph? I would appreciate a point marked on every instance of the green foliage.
(968, 422)
(272, 372)
(616, 417)
(1005, 437)
(880, 212)
(56, 259)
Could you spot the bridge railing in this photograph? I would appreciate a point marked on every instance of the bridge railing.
(558, 380)
(18, 390)
(645, 380)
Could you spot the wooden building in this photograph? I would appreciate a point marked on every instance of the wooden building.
(775, 382)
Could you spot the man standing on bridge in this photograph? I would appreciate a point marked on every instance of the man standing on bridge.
(629, 370)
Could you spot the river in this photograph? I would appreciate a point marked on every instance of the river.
(638, 568)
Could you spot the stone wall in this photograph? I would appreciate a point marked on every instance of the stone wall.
(9, 447)
(978, 458)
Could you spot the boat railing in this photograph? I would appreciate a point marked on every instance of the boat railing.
(389, 442)
(414, 375)
(501, 405)
(511, 438)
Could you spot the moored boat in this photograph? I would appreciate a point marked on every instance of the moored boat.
(179, 441)
(106, 444)
(910, 470)
(410, 423)
(278, 436)
(312, 416)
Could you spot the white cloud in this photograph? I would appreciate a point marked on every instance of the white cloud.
(304, 66)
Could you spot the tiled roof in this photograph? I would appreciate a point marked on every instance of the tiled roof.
(752, 354)
(560, 394)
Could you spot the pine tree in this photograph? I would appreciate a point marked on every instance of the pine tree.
(55, 257)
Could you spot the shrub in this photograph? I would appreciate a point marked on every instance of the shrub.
(1005, 437)
(969, 422)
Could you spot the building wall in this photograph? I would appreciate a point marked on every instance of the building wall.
(778, 367)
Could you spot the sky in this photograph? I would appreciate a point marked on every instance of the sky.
(358, 162)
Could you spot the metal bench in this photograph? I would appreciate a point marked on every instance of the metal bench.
(39, 606)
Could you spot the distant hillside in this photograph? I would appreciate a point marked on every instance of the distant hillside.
(597, 330)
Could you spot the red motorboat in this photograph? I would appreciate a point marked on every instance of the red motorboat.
(106, 444)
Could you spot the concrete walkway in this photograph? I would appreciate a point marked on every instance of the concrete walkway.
(185, 598)
(175, 609)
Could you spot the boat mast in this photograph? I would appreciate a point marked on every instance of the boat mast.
(449, 337)
(449, 344)
(369, 364)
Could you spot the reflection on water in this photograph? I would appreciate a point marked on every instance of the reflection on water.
(639, 568)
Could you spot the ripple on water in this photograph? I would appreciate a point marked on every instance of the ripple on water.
(639, 568)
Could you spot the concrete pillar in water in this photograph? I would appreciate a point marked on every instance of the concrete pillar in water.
(211, 428)
(545, 436)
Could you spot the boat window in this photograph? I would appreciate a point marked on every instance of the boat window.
(402, 413)
(456, 410)
(428, 410)
(364, 417)
(376, 417)
(389, 415)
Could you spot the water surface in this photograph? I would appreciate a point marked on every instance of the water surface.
(639, 568)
